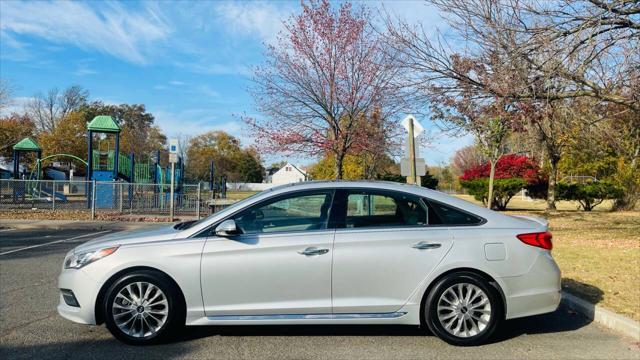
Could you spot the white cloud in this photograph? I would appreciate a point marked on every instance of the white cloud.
(176, 83)
(263, 19)
(108, 27)
(193, 122)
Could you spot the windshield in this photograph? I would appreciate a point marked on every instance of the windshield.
(189, 224)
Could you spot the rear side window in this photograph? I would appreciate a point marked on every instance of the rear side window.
(446, 215)
(368, 209)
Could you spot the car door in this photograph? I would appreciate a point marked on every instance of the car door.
(383, 249)
(279, 264)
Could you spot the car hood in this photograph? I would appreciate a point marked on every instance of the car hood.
(130, 237)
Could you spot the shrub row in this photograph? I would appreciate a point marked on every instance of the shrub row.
(588, 195)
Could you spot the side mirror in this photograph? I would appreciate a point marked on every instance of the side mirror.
(227, 228)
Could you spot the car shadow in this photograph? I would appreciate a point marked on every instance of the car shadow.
(588, 292)
(564, 319)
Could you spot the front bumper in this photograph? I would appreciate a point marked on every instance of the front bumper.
(537, 291)
(85, 289)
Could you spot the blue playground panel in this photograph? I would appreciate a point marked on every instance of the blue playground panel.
(105, 193)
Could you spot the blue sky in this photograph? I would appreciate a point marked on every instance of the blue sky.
(189, 62)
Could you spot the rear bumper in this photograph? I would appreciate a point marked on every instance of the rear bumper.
(536, 292)
(85, 290)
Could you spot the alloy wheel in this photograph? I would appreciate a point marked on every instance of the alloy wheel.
(140, 309)
(464, 310)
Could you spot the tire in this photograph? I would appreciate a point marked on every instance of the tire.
(144, 307)
(460, 320)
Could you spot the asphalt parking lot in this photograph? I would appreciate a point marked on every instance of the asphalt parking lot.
(30, 328)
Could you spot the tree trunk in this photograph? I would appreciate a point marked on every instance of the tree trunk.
(553, 180)
(491, 176)
(338, 164)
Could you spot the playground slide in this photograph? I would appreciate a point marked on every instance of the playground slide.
(45, 192)
(54, 174)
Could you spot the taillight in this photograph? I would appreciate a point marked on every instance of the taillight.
(539, 239)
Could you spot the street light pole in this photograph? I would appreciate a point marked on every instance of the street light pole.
(173, 168)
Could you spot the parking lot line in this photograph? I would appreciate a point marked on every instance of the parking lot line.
(54, 242)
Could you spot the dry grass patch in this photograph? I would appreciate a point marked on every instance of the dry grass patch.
(239, 195)
(599, 255)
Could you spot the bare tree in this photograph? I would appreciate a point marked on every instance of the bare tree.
(545, 54)
(184, 141)
(6, 94)
(47, 109)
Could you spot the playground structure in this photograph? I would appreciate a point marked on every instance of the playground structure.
(106, 167)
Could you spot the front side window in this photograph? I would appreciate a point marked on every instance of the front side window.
(296, 212)
(369, 209)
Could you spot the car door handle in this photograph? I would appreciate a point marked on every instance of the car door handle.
(313, 251)
(423, 245)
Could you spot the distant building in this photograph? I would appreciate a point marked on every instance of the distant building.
(288, 174)
(269, 174)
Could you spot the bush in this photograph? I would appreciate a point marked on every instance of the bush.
(589, 195)
(513, 173)
(508, 167)
(503, 190)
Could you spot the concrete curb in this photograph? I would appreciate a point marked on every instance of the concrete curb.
(607, 318)
(76, 225)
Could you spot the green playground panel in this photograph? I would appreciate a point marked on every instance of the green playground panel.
(143, 171)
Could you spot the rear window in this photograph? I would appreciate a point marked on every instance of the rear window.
(447, 215)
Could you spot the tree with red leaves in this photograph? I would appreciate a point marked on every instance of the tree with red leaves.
(512, 173)
(328, 87)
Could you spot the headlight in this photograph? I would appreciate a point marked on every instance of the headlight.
(76, 261)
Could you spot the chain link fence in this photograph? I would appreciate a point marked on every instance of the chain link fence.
(114, 197)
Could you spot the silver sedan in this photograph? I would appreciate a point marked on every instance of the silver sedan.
(319, 253)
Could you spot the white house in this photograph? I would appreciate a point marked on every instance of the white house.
(289, 174)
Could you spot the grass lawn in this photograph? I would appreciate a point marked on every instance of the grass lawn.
(598, 252)
(239, 195)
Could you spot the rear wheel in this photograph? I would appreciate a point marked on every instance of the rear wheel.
(143, 307)
(463, 309)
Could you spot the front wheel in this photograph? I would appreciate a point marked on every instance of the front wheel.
(143, 307)
(463, 309)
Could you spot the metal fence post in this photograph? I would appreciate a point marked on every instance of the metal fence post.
(53, 195)
(120, 199)
(198, 202)
(93, 199)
